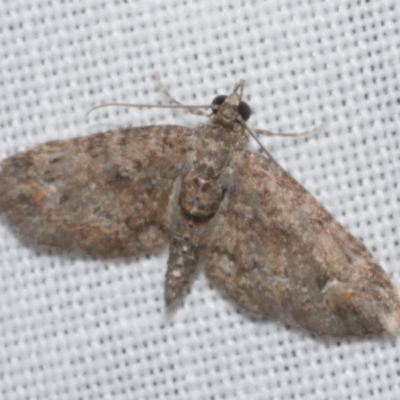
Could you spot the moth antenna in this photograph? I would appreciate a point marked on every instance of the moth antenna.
(294, 134)
(173, 100)
(188, 108)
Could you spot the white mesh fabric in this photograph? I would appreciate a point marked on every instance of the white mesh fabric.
(75, 328)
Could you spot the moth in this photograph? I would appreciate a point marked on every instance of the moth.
(262, 239)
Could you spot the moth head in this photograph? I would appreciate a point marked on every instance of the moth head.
(229, 107)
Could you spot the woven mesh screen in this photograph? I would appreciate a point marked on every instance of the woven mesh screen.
(76, 328)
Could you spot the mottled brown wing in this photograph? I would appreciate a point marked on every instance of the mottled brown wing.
(106, 195)
(277, 252)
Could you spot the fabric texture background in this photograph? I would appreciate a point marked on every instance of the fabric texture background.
(77, 328)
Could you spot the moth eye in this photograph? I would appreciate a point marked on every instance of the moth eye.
(244, 110)
(218, 101)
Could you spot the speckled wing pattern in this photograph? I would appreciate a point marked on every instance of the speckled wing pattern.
(263, 239)
(278, 253)
(105, 195)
